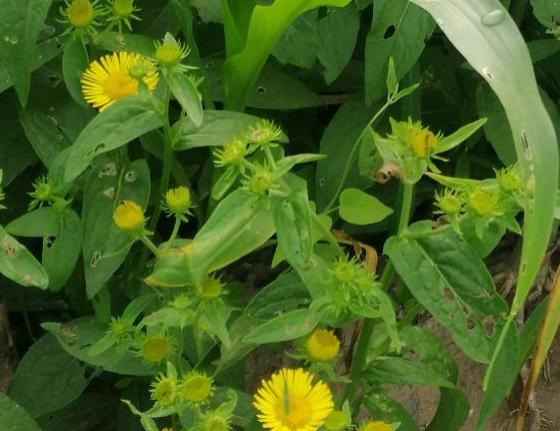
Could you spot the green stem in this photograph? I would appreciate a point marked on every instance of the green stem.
(148, 243)
(348, 165)
(364, 339)
(167, 165)
(175, 228)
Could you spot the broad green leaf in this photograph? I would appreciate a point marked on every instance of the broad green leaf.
(502, 380)
(399, 30)
(121, 123)
(44, 52)
(15, 418)
(298, 44)
(449, 280)
(457, 137)
(44, 221)
(76, 338)
(400, 371)
(61, 251)
(382, 407)
(208, 10)
(292, 219)
(237, 16)
(104, 246)
(214, 316)
(496, 49)
(337, 143)
(74, 62)
(542, 49)
(19, 265)
(113, 41)
(337, 34)
(47, 378)
(43, 134)
(267, 23)
(187, 95)
(357, 207)
(289, 326)
(240, 224)
(20, 24)
(284, 294)
(217, 128)
(547, 12)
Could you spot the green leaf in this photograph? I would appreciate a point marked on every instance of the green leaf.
(337, 35)
(43, 134)
(217, 128)
(104, 246)
(284, 294)
(289, 326)
(20, 24)
(122, 122)
(61, 252)
(451, 281)
(187, 95)
(547, 12)
(19, 265)
(248, 55)
(359, 208)
(382, 407)
(77, 337)
(506, 66)
(502, 380)
(44, 221)
(337, 143)
(399, 30)
(457, 137)
(74, 62)
(47, 378)
(15, 418)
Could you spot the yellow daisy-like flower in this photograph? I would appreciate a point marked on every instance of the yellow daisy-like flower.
(322, 345)
(377, 426)
(291, 401)
(115, 76)
(178, 200)
(155, 348)
(337, 421)
(264, 132)
(484, 202)
(423, 142)
(164, 391)
(232, 153)
(80, 13)
(196, 388)
(129, 216)
(210, 288)
(170, 52)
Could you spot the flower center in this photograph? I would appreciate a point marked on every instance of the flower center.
(80, 13)
(293, 412)
(120, 85)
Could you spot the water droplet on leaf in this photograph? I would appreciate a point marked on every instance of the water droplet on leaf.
(493, 18)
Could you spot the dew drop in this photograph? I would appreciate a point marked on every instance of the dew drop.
(6, 38)
(209, 65)
(49, 30)
(322, 182)
(13, 40)
(527, 152)
(493, 18)
(261, 89)
(110, 192)
(59, 137)
(109, 170)
(486, 72)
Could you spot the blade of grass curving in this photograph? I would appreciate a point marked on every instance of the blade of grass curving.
(267, 23)
(548, 330)
(489, 39)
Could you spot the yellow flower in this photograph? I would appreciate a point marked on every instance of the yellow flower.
(216, 422)
(196, 388)
(322, 345)
(164, 391)
(155, 348)
(449, 202)
(290, 401)
(80, 13)
(337, 421)
(260, 181)
(210, 288)
(128, 216)
(377, 426)
(115, 76)
(170, 52)
(484, 202)
(123, 8)
(423, 142)
(231, 153)
(178, 200)
(264, 132)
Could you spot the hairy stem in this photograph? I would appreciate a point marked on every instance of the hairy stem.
(364, 339)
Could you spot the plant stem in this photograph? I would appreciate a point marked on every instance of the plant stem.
(364, 339)
(148, 243)
(348, 165)
(175, 228)
(167, 164)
